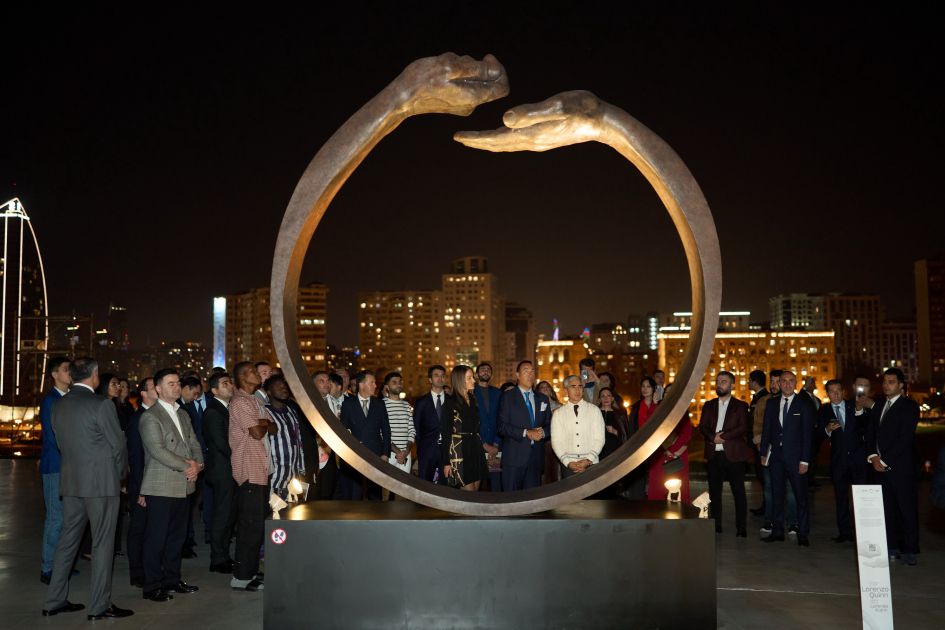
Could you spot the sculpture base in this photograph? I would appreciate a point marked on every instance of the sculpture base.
(594, 564)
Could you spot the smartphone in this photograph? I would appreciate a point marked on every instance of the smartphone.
(860, 390)
(583, 375)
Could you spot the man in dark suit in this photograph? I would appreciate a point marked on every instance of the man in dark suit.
(139, 515)
(524, 424)
(724, 423)
(366, 417)
(846, 431)
(785, 449)
(218, 472)
(94, 461)
(194, 403)
(487, 400)
(426, 422)
(890, 442)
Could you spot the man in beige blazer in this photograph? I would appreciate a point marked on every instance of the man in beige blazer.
(172, 461)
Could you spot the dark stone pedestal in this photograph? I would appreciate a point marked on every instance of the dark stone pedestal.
(592, 565)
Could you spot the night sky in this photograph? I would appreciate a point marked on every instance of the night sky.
(156, 154)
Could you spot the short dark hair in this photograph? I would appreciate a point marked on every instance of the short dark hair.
(336, 379)
(434, 368)
(82, 368)
(727, 374)
(833, 381)
(361, 376)
(391, 375)
(215, 378)
(900, 376)
(190, 381)
(143, 384)
(861, 376)
(518, 368)
(484, 364)
(162, 374)
(774, 373)
(272, 380)
(507, 385)
(758, 376)
(53, 364)
(318, 373)
(240, 368)
(586, 361)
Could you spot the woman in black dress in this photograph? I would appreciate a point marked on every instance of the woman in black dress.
(459, 432)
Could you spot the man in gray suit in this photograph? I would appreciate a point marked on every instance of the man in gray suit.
(172, 461)
(94, 461)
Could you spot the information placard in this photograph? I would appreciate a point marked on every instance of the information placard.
(872, 557)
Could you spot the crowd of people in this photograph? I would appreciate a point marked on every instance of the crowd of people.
(224, 448)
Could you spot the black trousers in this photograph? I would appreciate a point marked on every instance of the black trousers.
(901, 508)
(783, 472)
(223, 517)
(135, 543)
(844, 474)
(164, 535)
(252, 502)
(326, 482)
(720, 470)
(353, 486)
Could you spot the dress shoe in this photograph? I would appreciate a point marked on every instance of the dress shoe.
(909, 559)
(188, 552)
(741, 533)
(137, 583)
(45, 576)
(67, 607)
(894, 554)
(112, 612)
(773, 538)
(158, 595)
(758, 511)
(222, 567)
(803, 541)
(183, 588)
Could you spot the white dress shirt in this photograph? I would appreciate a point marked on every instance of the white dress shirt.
(723, 407)
(172, 412)
(577, 436)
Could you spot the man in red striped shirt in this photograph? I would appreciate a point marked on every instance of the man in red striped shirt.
(248, 434)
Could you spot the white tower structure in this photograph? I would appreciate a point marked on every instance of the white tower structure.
(23, 286)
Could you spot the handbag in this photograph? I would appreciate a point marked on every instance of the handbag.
(673, 466)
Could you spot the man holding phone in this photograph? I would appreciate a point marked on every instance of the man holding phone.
(589, 379)
(846, 432)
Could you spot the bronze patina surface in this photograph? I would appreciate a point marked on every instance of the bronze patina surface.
(450, 84)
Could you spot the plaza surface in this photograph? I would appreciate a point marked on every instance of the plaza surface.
(777, 585)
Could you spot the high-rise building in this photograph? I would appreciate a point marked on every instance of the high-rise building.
(247, 327)
(899, 348)
(855, 319)
(559, 359)
(24, 326)
(118, 326)
(930, 319)
(729, 321)
(521, 339)
(806, 353)
(473, 314)
(399, 332)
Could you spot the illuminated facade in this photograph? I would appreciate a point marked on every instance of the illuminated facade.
(729, 321)
(473, 315)
(24, 323)
(399, 332)
(558, 360)
(248, 328)
(899, 348)
(930, 319)
(806, 353)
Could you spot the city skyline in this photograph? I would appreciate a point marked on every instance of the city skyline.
(123, 140)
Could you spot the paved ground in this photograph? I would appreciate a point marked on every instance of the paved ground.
(760, 585)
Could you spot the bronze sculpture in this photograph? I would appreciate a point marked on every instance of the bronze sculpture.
(456, 85)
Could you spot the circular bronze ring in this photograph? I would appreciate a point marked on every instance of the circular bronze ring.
(690, 213)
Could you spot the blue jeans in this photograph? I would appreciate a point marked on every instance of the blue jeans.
(791, 513)
(53, 526)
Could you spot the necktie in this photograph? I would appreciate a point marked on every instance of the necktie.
(784, 411)
(199, 409)
(885, 409)
(438, 405)
(531, 409)
(364, 406)
(839, 414)
(575, 409)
